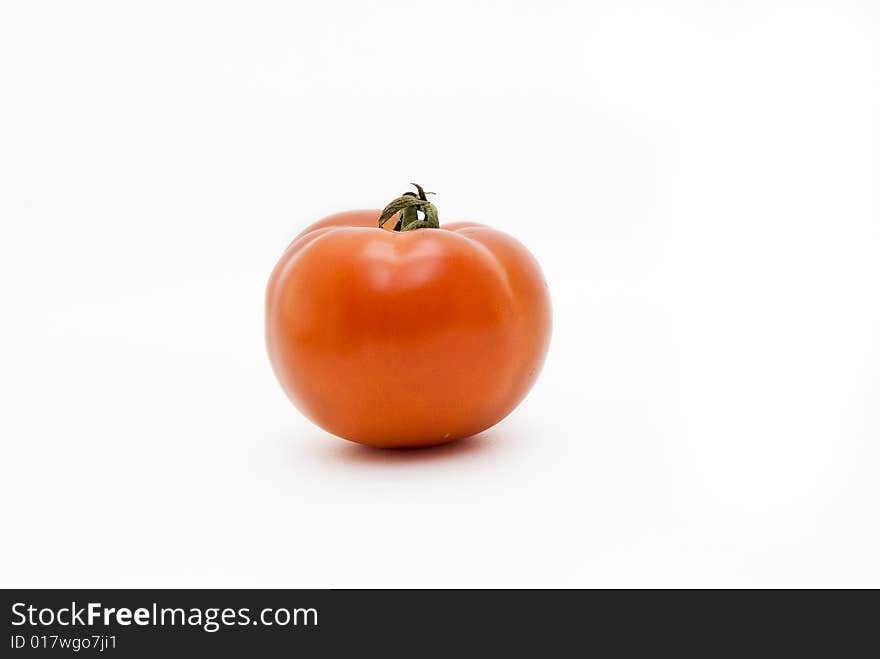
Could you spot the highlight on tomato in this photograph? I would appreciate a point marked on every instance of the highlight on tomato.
(386, 328)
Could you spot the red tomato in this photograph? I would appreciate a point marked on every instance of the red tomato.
(406, 338)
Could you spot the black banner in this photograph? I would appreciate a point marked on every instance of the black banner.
(133, 623)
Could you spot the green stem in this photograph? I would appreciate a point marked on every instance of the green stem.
(407, 207)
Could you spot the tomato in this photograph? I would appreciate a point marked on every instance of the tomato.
(408, 336)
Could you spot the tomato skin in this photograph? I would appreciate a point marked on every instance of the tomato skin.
(406, 339)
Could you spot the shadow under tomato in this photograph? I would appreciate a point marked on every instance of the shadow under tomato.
(340, 449)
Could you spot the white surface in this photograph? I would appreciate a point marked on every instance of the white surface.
(697, 181)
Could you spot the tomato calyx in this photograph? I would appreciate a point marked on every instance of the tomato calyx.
(407, 208)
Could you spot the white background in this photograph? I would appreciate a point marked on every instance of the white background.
(697, 180)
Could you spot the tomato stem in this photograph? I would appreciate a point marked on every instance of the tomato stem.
(407, 208)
